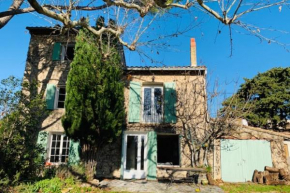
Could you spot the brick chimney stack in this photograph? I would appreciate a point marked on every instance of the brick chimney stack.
(193, 52)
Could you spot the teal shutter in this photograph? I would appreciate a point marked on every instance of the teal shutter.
(152, 155)
(56, 51)
(42, 141)
(50, 95)
(74, 152)
(169, 102)
(134, 102)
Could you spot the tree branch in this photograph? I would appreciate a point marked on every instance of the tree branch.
(15, 6)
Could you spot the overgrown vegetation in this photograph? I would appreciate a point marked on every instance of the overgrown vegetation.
(94, 106)
(20, 112)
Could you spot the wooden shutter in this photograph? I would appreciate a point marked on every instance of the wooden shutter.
(50, 96)
(74, 152)
(56, 51)
(169, 102)
(42, 141)
(152, 155)
(134, 102)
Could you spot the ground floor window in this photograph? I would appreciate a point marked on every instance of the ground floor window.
(168, 149)
(59, 148)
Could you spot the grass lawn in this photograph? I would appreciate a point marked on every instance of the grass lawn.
(56, 185)
(249, 187)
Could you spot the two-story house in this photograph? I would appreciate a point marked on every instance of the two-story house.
(152, 137)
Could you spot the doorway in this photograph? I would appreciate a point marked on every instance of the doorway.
(135, 156)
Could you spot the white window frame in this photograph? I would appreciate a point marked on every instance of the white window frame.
(63, 50)
(56, 99)
(152, 87)
(60, 148)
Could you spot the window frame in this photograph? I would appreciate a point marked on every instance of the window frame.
(64, 47)
(62, 135)
(56, 99)
(179, 150)
(152, 87)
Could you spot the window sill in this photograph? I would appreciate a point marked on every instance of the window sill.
(161, 166)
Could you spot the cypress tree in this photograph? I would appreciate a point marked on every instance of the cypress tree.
(94, 106)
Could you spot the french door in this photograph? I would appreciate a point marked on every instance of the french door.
(135, 156)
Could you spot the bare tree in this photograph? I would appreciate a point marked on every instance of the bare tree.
(199, 130)
(134, 17)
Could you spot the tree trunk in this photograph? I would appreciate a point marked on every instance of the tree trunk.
(89, 158)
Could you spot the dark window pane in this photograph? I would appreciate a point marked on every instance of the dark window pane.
(142, 152)
(168, 149)
(64, 144)
(147, 101)
(52, 159)
(158, 100)
(52, 152)
(63, 158)
(53, 144)
(56, 159)
(69, 53)
(58, 137)
(131, 158)
(60, 105)
(57, 152)
(61, 98)
(53, 137)
(62, 90)
(65, 138)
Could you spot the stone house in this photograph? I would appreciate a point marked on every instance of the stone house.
(152, 137)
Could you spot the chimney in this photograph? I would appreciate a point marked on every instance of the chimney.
(192, 52)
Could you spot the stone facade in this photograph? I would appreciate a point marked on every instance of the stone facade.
(41, 68)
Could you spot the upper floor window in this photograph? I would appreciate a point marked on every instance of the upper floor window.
(152, 104)
(68, 51)
(63, 51)
(60, 97)
(59, 148)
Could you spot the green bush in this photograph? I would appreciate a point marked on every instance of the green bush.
(20, 117)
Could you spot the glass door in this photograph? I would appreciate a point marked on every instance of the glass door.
(135, 156)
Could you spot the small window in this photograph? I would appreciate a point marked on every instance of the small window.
(59, 148)
(152, 104)
(60, 97)
(68, 51)
(168, 149)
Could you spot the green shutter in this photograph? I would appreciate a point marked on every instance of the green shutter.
(56, 51)
(74, 153)
(50, 95)
(152, 155)
(169, 102)
(134, 102)
(42, 140)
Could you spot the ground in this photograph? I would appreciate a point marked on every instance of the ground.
(143, 186)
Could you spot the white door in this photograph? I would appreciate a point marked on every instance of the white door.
(135, 156)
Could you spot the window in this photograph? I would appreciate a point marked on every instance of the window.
(168, 149)
(152, 104)
(60, 97)
(59, 148)
(67, 51)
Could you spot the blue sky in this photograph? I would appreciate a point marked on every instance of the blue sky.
(250, 56)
